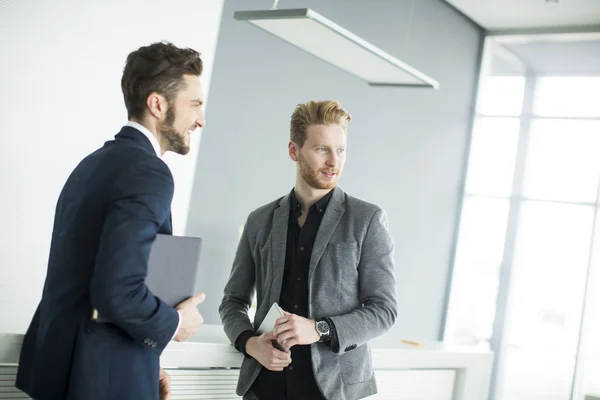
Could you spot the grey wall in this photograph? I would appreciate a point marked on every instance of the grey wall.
(406, 146)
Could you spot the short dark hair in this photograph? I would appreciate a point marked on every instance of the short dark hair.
(158, 68)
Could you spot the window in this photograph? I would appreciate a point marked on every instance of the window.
(477, 270)
(526, 273)
(563, 160)
(545, 300)
(492, 156)
(501, 95)
(567, 97)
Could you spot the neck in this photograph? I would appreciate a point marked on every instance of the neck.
(307, 195)
(153, 128)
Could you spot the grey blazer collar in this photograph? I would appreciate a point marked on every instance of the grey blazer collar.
(331, 218)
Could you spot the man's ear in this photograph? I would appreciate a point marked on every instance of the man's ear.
(293, 150)
(157, 105)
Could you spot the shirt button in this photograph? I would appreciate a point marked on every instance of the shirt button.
(295, 305)
(301, 248)
(291, 368)
(298, 278)
(320, 210)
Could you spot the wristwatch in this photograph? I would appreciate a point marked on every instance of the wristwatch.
(322, 328)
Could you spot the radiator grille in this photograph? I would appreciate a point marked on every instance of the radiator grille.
(220, 384)
(7, 384)
(185, 384)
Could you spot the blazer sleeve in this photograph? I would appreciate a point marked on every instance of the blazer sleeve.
(377, 289)
(239, 291)
(137, 208)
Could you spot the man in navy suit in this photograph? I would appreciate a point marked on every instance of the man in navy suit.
(107, 217)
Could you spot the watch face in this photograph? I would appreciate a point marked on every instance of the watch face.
(322, 327)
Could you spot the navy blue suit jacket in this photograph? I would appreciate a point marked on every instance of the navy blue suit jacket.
(108, 214)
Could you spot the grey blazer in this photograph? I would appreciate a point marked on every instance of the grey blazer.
(351, 280)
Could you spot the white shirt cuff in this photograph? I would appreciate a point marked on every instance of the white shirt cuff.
(178, 325)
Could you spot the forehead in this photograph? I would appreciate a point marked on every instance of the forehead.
(326, 134)
(192, 89)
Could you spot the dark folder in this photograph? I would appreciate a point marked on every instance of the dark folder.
(172, 269)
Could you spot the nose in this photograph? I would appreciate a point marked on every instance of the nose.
(332, 160)
(200, 119)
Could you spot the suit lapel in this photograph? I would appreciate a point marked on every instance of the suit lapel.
(331, 219)
(278, 245)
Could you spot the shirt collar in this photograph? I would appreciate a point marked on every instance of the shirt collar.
(320, 205)
(149, 135)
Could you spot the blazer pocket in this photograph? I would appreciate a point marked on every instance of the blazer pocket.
(356, 365)
(346, 253)
(344, 245)
(345, 257)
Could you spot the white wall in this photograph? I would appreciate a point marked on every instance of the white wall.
(61, 99)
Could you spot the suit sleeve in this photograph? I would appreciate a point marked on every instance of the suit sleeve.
(377, 290)
(140, 204)
(239, 292)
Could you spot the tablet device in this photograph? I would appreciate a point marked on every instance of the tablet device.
(268, 324)
(172, 269)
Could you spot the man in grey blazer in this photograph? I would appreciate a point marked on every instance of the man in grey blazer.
(327, 259)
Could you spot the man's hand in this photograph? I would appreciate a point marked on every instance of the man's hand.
(164, 385)
(262, 350)
(190, 317)
(291, 329)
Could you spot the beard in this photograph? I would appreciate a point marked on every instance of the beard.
(177, 143)
(311, 176)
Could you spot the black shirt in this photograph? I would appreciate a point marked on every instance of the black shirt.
(296, 382)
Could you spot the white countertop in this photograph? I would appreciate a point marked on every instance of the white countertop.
(211, 340)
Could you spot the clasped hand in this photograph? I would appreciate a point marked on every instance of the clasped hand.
(291, 330)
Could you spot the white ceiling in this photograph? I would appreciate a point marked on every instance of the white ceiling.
(577, 58)
(546, 57)
(500, 15)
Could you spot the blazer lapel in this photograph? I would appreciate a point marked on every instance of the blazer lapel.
(278, 245)
(331, 219)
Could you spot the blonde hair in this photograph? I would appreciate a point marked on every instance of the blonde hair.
(326, 112)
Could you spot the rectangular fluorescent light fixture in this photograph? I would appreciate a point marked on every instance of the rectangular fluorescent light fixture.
(325, 39)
